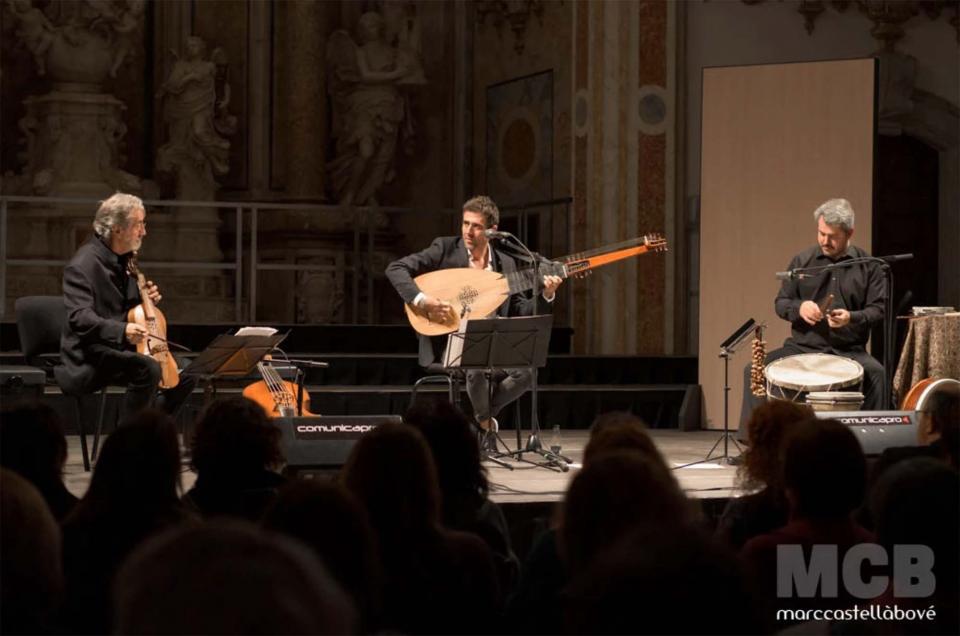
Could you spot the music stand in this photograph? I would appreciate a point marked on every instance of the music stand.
(507, 343)
(727, 348)
(230, 357)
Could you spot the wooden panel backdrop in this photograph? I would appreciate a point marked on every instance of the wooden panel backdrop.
(777, 140)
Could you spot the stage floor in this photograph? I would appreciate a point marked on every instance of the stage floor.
(528, 483)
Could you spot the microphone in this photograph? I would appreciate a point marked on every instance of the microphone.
(893, 258)
(496, 234)
(790, 275)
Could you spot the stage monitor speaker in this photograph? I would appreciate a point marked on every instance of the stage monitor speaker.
(324, 441)
(878, 430)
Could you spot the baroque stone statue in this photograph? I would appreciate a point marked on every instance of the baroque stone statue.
(195, 152)
(371, 110)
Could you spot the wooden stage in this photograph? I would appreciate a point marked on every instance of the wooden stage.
(533, 484)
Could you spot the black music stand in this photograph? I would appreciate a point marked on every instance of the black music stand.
(508, 343)
(230, 357)
(727, 348)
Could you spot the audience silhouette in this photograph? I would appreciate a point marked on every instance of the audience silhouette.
(228, 577)
(463, 481)
(436, 580)
(235, 449)
(329, 519)
(133, 494)
(33, 444)
(766, 509)
(31, 575)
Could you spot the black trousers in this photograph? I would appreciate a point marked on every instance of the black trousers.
(873, 379)
(508, 385)
(141, 375)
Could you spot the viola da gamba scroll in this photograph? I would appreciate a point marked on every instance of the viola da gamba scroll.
(478, 293)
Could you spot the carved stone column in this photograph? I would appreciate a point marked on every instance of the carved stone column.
(300, 110)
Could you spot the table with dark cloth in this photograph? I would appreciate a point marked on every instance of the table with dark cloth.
(931, 350)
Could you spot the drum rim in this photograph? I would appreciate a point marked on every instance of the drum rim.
(814, 387)
(925, 394)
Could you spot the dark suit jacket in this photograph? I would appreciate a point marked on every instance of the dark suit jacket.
(447, 252)
(97, 293)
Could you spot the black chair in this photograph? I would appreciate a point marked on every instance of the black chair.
(436, 374)
(40, 321)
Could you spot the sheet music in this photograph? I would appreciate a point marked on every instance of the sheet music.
(255, 331)
(454, 351)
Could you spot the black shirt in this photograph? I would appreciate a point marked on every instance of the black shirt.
(859, 289)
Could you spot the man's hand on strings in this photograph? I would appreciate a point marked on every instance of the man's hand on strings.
(810, 312)
(153, 292)
(437, 310)
(550, 285)
(838, 318)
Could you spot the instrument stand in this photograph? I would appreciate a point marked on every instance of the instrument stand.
(727, 349)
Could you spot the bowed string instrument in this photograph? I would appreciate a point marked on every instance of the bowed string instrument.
(154, 345)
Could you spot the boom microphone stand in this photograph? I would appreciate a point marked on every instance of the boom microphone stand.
(553, 461)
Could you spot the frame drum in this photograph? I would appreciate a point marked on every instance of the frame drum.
(793, 377)
(918, 394)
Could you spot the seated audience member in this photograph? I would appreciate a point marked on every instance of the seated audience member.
(544, 574)
(612, 495)
(33, 444)
(436, 580)
(682, 581)
(938, 433)
(917, 503)
(463, 481)
(133, 494)
(766, 509)
(326, 517)
(824, 479)
(227, 577)
(235, 451)
(31, 576)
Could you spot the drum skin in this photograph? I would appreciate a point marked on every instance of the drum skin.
(792, 377)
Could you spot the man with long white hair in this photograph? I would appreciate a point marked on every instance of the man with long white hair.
(839, 325)
(98, 343)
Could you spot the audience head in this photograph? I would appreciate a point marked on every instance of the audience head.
(455, 451)
(139, 465)
(917, 502)
(31, 576)
(234, 436)
(689, 582)
(612, 495)
(619, 431)
(326, 517)
(390, 470)
(769, 425)
(940, 419)
(227, 578)
(824, 470)
(32, 442)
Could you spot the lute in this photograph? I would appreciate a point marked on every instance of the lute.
(478, 292)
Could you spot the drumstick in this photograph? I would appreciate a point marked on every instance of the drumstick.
(825, 305)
